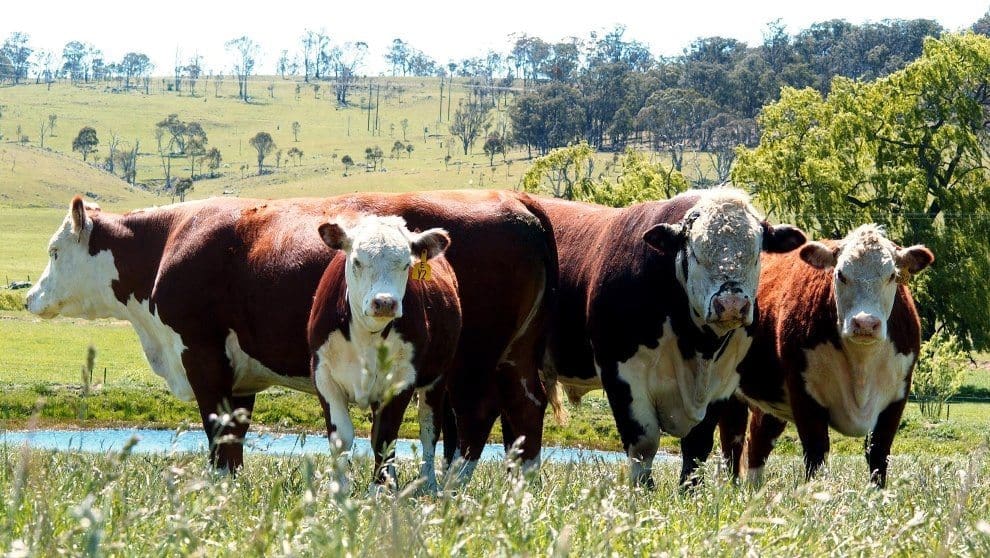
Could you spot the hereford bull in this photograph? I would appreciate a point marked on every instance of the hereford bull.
(654, 306)
(374, 342)
(219, 292)
(837, 335)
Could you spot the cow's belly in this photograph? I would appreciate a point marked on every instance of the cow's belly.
(356, 367)
(680, 389)
(163, 347)
(856, 384)
(250, 376)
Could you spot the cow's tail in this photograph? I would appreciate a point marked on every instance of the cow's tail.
(551, 284)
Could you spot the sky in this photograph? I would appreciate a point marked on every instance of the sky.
(445, 30)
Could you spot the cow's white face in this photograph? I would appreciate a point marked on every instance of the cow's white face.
(74, 283)
(718, 249)
(866, 270)
(380, 252)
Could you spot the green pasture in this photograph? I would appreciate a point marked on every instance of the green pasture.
(327, 133)
(153, 505)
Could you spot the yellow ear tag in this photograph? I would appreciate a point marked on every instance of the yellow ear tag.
(422, 271)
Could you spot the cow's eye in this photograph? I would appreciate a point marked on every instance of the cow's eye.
(357, 264)
(406, 266)
(892, 277)
(53, 253)
(842, 277)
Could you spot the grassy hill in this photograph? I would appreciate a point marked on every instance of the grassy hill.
(31, 177)
(407, 112)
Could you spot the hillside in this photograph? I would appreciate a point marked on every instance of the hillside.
(33, 177)
(405, 109)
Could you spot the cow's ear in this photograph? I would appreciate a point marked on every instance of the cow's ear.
(77, 209)
(913, 259)
(819, 256)
(665, 238)
(335, 236)
(431, 241)
(778, 239)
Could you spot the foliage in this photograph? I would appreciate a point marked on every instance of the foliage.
(547, 118)
(906, 151)
(568, 173)
(263, 143)
(470, 120)
(86, 141)
(938, 375)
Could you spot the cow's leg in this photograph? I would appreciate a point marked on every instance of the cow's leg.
(812, 427)
(334, 403)
(879, 441)
(524, 404)
(732, 432)
(764, 429)
(384, 433)
(431, 416)
(697, 445)
(638, 426)
(211, 378)
(475, 410)
(451, 447)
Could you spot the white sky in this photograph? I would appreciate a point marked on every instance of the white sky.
(443, 29)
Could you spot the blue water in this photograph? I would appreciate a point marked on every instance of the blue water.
(167, 441)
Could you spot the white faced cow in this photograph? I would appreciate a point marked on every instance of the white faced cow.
(836, 340)
(655, 300)
(373, 342)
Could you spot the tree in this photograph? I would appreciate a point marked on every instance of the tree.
(409, 149)
(470, 120)
(213, 161)
(494, 144)
(263, 143)
(907, 151)
(74, 66)
(568, 173)
(135, 64)
(86, 141)
(52, 118)
(344, 62)
(547, 117)
(295, 153)
(182, 187)
(673, 118)
(373, 155)
(295, 131)
(348, 162)
(938, 375)
(245, 53)
(17, 53)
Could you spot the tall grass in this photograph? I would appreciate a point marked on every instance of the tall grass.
(122, 504)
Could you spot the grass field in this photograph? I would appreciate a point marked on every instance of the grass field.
(85, 504)
(140, 505)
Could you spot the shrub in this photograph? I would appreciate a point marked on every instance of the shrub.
(938, 374)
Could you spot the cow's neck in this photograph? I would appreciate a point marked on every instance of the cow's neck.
(136, 242)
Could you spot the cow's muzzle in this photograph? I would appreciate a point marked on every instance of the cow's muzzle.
(384, 306)
(730, 307)
(865, 329)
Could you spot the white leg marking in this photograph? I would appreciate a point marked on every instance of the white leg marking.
(428, 439)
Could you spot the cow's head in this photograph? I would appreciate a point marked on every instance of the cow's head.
(75, 283)
(867, 267)
(717, 247)
(380, 251)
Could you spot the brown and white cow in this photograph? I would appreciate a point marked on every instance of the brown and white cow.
(374, 342)
(837, 335)
(655, 303)
(219, 292)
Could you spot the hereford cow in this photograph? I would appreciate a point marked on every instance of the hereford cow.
(655, 303)
(219, 292)
(373, 342)
(837, 336)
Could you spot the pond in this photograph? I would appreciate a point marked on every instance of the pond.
(168, 441)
